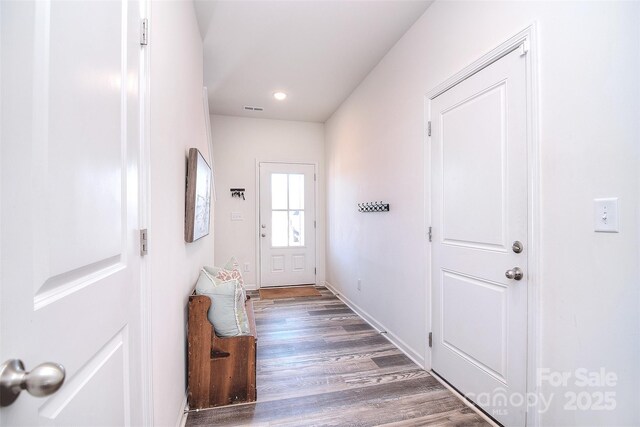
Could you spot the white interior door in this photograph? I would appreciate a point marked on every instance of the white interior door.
(479, 208)
(287, 224)
(70, 257)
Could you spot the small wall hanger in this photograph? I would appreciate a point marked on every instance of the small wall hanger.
(237, 192)
(373, 207)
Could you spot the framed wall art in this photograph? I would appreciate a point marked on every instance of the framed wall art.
(198, 197)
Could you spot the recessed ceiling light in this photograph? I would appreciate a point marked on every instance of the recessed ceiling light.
(279, 95)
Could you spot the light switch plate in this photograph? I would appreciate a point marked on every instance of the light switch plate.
(236, 216)
(605, 215)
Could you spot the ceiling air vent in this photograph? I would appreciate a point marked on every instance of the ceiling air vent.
(251, 108)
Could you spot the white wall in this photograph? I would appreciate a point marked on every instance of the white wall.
(237, 143)
(589, 55)
(177, 123)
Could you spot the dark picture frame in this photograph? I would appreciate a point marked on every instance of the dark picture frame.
(198, 197)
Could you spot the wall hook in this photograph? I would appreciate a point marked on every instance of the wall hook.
(237, 192)
(373, 207)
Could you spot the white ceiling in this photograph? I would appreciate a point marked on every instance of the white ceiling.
(317, 51)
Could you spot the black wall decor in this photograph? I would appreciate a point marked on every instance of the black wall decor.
(237, 192)
(373, 207)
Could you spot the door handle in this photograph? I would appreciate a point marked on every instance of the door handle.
(515, 273)
(43, 380)
(263, 235)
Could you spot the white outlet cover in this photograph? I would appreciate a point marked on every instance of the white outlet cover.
(605, 215)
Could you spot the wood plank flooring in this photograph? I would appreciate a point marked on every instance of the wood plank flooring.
(320, 364)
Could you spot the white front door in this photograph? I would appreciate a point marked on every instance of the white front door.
(479, 209)
(70, 284)
(287, 224)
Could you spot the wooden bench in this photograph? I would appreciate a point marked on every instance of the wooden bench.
(221, 370)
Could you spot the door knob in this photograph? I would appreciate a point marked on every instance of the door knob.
(263, 235)
(515, 273)
(43, 380)
(263, 226)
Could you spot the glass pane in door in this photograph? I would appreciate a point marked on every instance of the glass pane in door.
(279, 191)
(296, 191)
(287, 209)
(279, 228)
(296, 228)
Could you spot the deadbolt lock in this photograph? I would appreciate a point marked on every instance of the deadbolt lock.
(517, 246)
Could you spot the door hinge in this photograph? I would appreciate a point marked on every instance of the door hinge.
(314, 176)
(143, 242)
(430, 339)
(430, 234)
(429, 128)
(144, 32)
(315, 270)
(314, 224)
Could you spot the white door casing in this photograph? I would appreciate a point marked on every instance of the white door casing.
(479, 208)
(287, 224)
(70, 207)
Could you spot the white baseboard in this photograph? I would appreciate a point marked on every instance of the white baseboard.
(412, 354)
(182, 416)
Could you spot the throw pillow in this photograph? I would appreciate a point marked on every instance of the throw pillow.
(227, 312)
(234, 267)
(231, 271)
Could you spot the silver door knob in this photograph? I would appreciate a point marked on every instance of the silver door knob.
(43, 380)
(515, 273)
(263, 235)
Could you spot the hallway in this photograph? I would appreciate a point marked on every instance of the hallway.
(319, 363)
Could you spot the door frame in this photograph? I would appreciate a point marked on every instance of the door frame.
(526, 41)
(257, 224)
(144, 220)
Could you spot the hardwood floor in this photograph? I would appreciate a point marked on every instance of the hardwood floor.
(320, 364)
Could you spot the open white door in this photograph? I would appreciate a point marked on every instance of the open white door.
(479, 212)
(287, 224)
(70, 284)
